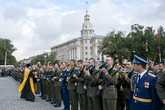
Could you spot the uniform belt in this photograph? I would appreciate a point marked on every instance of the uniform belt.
(142, 99)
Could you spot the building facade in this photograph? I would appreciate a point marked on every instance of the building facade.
(84, 47)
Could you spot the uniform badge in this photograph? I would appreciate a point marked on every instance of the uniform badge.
(60, 79)
(85, 87)
(100, 87)
(74, 75)
(146, 84)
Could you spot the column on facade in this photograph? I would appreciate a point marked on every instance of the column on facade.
(74, 53)
(71, 53)
(78, 53)
(68, 54)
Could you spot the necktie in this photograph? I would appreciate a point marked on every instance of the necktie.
(136, 85)
(138, 78)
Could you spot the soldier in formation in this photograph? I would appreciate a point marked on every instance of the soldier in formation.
(93, 85)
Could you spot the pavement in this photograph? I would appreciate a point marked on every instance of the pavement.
(10, 99)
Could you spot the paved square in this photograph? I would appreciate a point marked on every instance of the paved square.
(9, 98)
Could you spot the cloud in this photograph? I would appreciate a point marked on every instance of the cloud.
(35, 26)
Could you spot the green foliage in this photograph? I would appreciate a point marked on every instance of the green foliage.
(140, 39)
(7, 46)
(44, 58)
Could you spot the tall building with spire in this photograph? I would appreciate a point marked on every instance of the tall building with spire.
(87, 27)
(84, 47)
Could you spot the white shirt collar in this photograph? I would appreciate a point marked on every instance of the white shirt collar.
(141, 74)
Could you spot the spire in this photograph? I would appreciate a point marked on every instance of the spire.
(86, 7)
(87, 27)
(87, 16)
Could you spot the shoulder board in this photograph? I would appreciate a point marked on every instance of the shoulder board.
(134, 76)
(150, 71)
(151, 74)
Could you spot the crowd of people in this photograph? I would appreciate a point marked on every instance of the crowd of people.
(93, 85)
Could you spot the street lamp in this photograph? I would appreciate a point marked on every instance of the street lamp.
(5, 62)
(5, 47)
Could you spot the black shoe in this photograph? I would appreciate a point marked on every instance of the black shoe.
(57, 105)
(43, 97)
(48, 99)
(52, 102)
(30, 100)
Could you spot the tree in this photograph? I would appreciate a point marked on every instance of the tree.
(7, 46)
(140, 39)
(114, 45)
(160, 43)
(44, 58)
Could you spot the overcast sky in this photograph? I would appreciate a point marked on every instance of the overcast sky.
(34, 26)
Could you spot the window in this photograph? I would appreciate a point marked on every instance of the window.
(86, 53)
(86, 47)
(91, 47)
(98, 58)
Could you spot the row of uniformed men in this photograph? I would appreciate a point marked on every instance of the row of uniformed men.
(102, 87)
(88, 86)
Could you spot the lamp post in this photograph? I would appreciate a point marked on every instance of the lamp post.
(158, 46)
(5, 47)
(5, 62)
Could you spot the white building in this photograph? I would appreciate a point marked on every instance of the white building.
(84, 47)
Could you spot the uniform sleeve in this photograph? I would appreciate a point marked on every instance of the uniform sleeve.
(156, 100)
(160, 86)
(132, 81)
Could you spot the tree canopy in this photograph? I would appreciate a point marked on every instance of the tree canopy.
(44, 58)
(6, 47)
(141, 39)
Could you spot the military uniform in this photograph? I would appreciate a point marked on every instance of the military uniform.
(41, 72)
(94, 102)
(0, 72)
(72, 86)
(57, 88)
(48, 85)
(52, 88)
(81, 90)
(123, 91)
(43, 84)
(145, 95)
(64, 89)
(144, 91)
(110, 91)
(160, 86)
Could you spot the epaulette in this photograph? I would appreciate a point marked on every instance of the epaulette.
(151, 74)
(134, 75)
(150, 71)
(136, 72)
